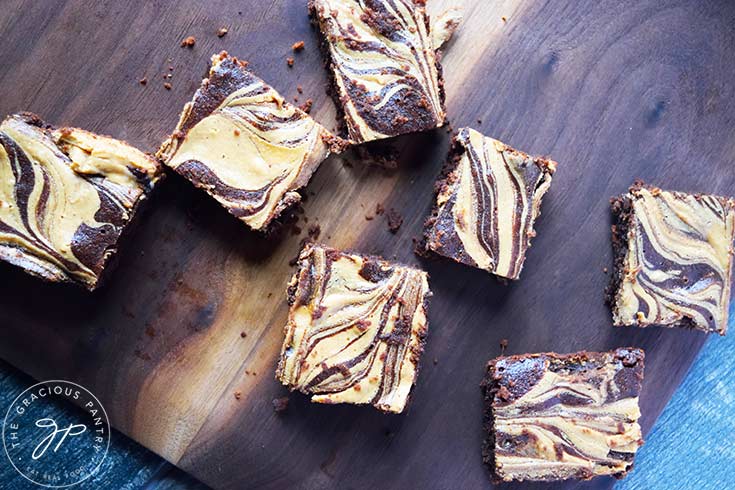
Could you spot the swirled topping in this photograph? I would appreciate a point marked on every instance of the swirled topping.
(245, 145)
(675, 259)
(553, 417)
(65, 197)
(384, 65)
(355, 329)
(487, 205)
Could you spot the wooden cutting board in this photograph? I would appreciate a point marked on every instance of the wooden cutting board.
(612, 90)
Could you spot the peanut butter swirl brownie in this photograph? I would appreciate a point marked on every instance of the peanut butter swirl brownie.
(66, 197)
(356, 329)
(554, 417)
(382, 55)
(244, 144)
(487, 204)
(674, 259)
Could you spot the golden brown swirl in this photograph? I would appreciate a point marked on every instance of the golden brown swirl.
(245, 145)
(384, 65)
(487, 205)
(355, 331)
(553, 417)
(676, 265)
(65, 197)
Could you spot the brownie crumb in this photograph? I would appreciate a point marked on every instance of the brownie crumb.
(379, 209)
(167, 86)
(503, 346)
(189, 42)
(395, 220)
(300, 89)
(238, 395)
(298, 46)
(280, 404)
(314, 231)
(150, 331)
(289, 62)
(243, 335)
(143, 81)
(369, 217)
(222, 32)
(504, 19)
(306, 106)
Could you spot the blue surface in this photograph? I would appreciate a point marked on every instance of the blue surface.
(690, 447)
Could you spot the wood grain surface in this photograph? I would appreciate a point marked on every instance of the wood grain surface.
(611, 90)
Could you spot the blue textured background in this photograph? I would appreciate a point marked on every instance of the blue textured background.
(692, 445)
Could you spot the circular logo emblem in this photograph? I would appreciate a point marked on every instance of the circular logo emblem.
(51, 443)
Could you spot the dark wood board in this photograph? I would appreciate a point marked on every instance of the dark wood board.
(612, 90)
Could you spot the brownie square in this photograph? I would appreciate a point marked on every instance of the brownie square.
(386, 76)
(66, 197)
(673, 259)
(487, 202)
(245, 145)
(554, 417)
(356, 329)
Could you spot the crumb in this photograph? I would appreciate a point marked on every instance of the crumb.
(298, 46)
(243, 335)
(143, 81)
(189, 42)
(379, 209)
(236, 132)
(369, 217)
(150, 331)
(314, 231)
(300, 89)
(289, 62)
(295, 99)
(604, 269)
(167, 86)
(504, 19)
(170, 68)
(503, 346)
(436, 361)
(270, 295)
(395, 220)
(280, 404)
(221, 32)
(238, 395)
(479, 121)
(306, 106)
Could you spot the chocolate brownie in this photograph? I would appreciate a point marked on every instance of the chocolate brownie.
(487, 202)
(553, 417)
(673, 259)
(356, 329)
(67, 197)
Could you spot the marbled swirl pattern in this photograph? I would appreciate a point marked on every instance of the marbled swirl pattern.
(555, 417)
(384, 65)
(245, 145)
(65, 198)
(487, 205)
(356, 329)
(678, 264)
